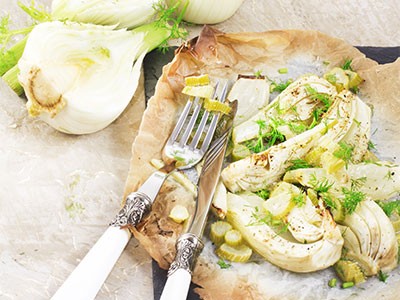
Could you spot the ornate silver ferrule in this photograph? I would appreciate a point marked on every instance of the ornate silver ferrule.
(188, 247)
(136, 207)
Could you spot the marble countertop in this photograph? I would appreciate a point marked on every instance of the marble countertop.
(41, 238)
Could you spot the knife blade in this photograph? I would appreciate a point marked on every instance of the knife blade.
(189, 245)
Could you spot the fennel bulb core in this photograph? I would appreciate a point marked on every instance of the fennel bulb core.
(80, 77)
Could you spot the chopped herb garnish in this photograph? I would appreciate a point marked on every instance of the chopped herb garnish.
(324, 98)
(390, 207)
(322, 186)
(351, 199)
(297, 127)
(316, 114)
(298, 164)
(274, 135)
(332, 282)
(328, 200)
(223, 264)
(382, 276)
(258, 74)
(331, 78)
(358, 123)
(355, 89)
(299, 200)
(268, 135)
(357, 183)
(283, 70)
(280, 87)
(347, 284)
(268, 219)
(263, 194)
(344, 152)
(371, 145)
(347, 65)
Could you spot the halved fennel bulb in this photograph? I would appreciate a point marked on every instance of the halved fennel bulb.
(370, 239)
(79, 78)
(122, 13)
(245, 214)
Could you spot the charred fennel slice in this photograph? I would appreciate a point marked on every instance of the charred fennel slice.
(301, 185)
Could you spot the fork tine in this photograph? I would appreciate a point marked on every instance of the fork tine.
(213, 124)
(214, 150)
(202, 125)
(180, 123)
(192, 121)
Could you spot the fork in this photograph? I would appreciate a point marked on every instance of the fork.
(87, 278)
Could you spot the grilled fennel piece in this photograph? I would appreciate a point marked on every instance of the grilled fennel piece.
(246, 215)
(370, 239)
(294, 103)
(260, 170)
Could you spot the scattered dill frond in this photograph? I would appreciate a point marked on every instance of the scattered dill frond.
(298, 164)
(299, 200)
(268, 219)
(263, 194)
(324, 98)
(297, 127)
(280, 86)
(258, 74)
(328, 200)
(268, 135)
(167, 17)
(358, 182)
(390, 207)
(382, 276)
(331, 78)
(347, 65)
(274, 135)
(344, 152)
(317, 115)
(223, 264)
(351, 199)
(371, 145)
(320, 186)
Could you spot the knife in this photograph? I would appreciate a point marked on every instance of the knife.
(189, 245)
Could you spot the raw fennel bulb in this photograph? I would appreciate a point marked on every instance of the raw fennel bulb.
(122, 13)
(80, 77)
(207, 11)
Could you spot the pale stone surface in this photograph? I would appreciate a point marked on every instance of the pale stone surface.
(43, 171)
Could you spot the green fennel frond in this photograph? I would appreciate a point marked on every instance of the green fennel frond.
(167, 17)
(351, 199)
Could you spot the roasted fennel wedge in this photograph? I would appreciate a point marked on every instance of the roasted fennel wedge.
(246, 214)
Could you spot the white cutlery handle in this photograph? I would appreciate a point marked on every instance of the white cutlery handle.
(177, 285)
(188, 247)
(88, 277)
